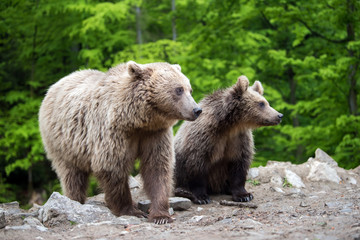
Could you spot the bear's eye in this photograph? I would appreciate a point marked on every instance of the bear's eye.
(179, 91)
(262, 104)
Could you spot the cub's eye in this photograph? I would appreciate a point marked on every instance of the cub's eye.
(262, 104)
(179, 91)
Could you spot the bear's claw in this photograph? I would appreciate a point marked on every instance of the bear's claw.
(243, 198)
(162, 220)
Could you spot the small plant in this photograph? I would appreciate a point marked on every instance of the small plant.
(72, 223)
(286, 183)
(253, 182)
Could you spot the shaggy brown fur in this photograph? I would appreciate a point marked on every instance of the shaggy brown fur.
(213, 153)
(95, 122)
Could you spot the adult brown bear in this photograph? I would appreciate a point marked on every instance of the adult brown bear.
(96, 122)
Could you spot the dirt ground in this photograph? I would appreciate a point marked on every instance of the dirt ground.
(319, 211)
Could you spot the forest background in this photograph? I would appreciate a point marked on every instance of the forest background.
(305, 52)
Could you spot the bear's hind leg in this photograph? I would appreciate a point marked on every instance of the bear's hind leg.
(74, 183)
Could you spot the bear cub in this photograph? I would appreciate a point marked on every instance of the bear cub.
(99, 123)
(213, 154)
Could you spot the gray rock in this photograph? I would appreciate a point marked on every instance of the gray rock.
(277, 180)
(73, 210)
(2, 219)
(294, 179)
(322, 156)
(253, 173)
(21, 227)
(32, 221)
(320, 171)
(144, 205)
(351, 180)
(98, 200)
(177, 203)
(10, 208)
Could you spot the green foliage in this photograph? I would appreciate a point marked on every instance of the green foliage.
(286, 183)
(306, 54)
(254, 182)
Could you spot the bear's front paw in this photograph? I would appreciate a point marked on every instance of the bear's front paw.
(162, 220)
(247, 197)
(201, 199)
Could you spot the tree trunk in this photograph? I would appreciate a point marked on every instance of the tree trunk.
(300, 148)
(30, 183)
(292, 83)
(32, 79)
(353, 66)
(173, 20)
(138, 25)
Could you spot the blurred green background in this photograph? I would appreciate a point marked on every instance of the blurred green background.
(305, 52)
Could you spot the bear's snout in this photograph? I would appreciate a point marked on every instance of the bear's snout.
(197, 111)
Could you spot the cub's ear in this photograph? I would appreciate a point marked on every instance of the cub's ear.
(242, 84)
(177, 66)
(134, 69)
(257, 87)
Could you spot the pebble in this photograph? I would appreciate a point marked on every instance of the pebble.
(171, 211)
(346, 210)
(226, 221)
(277, 189)
(332, 204)
(352, 180)
(196, 218)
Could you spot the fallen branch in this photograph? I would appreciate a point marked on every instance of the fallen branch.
(238, 204)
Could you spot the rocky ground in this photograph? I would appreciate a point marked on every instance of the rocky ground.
(314, 200)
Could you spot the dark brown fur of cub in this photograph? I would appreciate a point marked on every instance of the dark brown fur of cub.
(214, 153)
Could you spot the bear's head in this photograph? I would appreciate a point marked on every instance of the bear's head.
(169, 90)
(255, 109)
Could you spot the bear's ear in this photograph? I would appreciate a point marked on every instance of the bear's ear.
(134, 69)
(177, 66)
(257, 87)
(242, 84)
